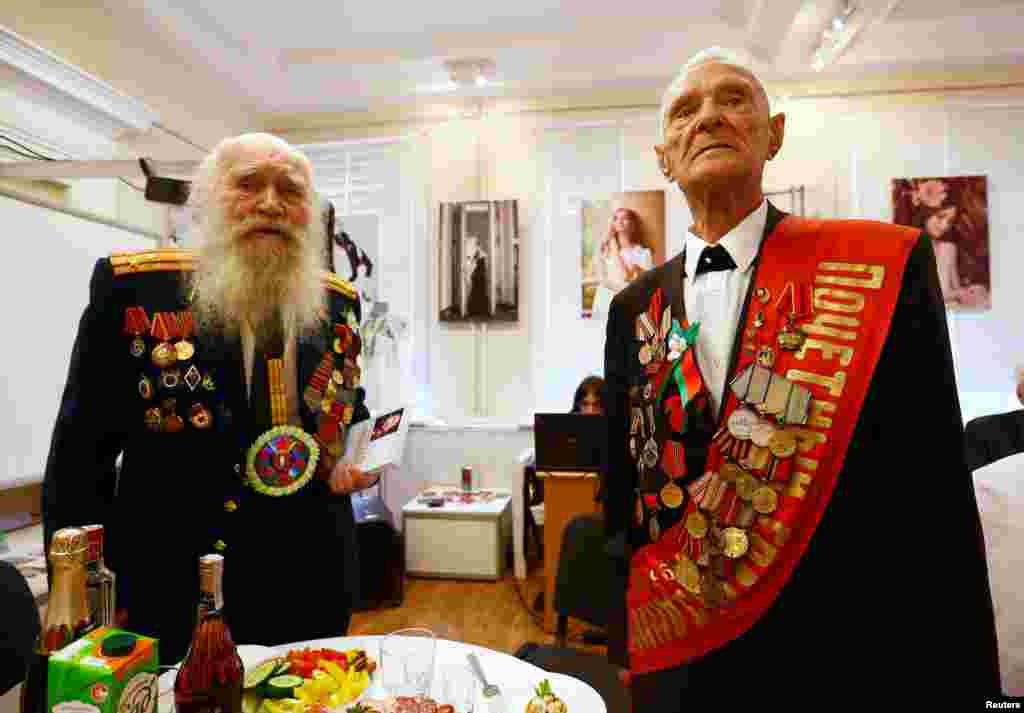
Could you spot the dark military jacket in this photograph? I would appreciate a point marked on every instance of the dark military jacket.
(290, 562)
(895, 573)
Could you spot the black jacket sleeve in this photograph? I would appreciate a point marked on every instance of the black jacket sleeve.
(80, 477)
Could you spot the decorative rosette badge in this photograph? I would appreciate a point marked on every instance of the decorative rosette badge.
(282, 460)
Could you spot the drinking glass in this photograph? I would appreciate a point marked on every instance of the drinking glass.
(458, 687)
(407, 662)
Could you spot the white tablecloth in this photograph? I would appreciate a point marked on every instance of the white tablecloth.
(516, 678)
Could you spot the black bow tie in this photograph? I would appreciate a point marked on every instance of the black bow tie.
(714, 257)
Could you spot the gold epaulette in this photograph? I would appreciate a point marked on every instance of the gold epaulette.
(167, 259)
(335, 283)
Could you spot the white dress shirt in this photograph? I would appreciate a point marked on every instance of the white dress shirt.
(715, 299)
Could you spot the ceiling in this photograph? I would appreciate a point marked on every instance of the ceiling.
(306, 56)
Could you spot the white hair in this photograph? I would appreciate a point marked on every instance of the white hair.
(722, 55)
(238, 281)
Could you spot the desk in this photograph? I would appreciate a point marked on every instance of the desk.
(516, 678)
(566, 495)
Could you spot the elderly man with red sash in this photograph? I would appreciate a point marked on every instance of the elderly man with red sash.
(788, 499)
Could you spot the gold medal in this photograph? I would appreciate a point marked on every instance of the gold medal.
(337, 377)
(200, 418)
(741, 422)
(762, 295)
(762, 432)
(184, 350)
(154, 419)
(338, 346)
(687, 574)
(728, 472)
(765, 500)
(208, 383)
(696, 525)
(746, 486)
(654, 528)
(766, 357)
(645, 355)
(782, 444)
(138, 347)
(326, 405)
(672, 495)
(145, 388)
(734, 542)
(164, 355)
(759, 320)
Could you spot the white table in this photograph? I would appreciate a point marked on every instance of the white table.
(515, 678)
(457, 540)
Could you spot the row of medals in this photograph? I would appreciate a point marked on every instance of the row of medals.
(328, 388)
(704, 577)
(171, 358)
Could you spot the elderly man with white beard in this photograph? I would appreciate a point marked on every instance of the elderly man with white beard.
(225, 378)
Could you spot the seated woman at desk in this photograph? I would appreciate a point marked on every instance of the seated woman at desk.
(588, 399)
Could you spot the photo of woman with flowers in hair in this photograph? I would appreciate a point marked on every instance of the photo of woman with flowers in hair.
(953, 212)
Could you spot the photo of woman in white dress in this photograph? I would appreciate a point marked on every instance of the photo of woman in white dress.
(621, 258)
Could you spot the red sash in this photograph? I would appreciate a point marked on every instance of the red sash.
(846, 278)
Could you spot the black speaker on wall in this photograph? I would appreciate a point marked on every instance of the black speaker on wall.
(381, 556)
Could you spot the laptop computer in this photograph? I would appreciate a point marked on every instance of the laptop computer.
(568, 442)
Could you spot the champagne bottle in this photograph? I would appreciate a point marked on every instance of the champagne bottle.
(67, 614)
(210, 678)
(99, 580)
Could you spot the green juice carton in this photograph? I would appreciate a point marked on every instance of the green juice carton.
(106, 671)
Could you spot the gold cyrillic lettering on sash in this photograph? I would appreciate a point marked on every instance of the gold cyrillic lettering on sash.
(797, 487)
(817, 419)
(762, 553)
(854, 301)
(873, 282)
(745, 575)
(828, 351)
(817, 326)
(778, 530)
(834, 384)
(806, 463)
(806, 439)
(696, 615)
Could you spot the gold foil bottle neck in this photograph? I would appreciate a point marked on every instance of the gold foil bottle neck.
(69, 545)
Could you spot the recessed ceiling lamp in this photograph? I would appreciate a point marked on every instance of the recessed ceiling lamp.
(836, 36)
(469, 72)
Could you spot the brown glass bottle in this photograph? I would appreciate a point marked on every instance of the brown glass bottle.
(67, 614)
(209, 680)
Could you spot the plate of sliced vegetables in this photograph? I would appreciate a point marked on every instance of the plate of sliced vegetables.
(307, 681)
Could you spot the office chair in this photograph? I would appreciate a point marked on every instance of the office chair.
(581, 592)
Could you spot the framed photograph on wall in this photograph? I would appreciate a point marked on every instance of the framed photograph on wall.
(478, 259)
(953, 212)
(623, 236)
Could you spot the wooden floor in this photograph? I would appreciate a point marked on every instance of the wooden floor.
(489, 614)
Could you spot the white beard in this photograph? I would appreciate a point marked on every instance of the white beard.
(247, 279)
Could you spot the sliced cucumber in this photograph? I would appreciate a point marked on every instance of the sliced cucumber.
(261, 673)
(283, 667)
(282, 686)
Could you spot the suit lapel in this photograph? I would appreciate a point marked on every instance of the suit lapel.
(674, 286)
(773, 218)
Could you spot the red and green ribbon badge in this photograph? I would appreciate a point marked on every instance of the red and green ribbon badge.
(681, 368)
